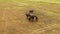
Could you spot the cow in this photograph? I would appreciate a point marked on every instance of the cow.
(31, 17)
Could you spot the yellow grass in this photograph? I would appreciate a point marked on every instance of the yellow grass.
(13, 19)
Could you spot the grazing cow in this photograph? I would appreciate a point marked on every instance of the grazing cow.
(31, 16)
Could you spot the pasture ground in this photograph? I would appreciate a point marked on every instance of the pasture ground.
(13, 19)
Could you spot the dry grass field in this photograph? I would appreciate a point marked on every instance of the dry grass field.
(13, 19)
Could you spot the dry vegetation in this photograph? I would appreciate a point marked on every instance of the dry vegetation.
(13, 19)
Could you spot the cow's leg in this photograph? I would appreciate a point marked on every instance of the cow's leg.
(29, 18)
(36, 18)
(32, 18)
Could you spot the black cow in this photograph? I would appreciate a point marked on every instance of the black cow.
(31, 16)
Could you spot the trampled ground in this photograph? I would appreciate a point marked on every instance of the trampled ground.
(13, 19)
